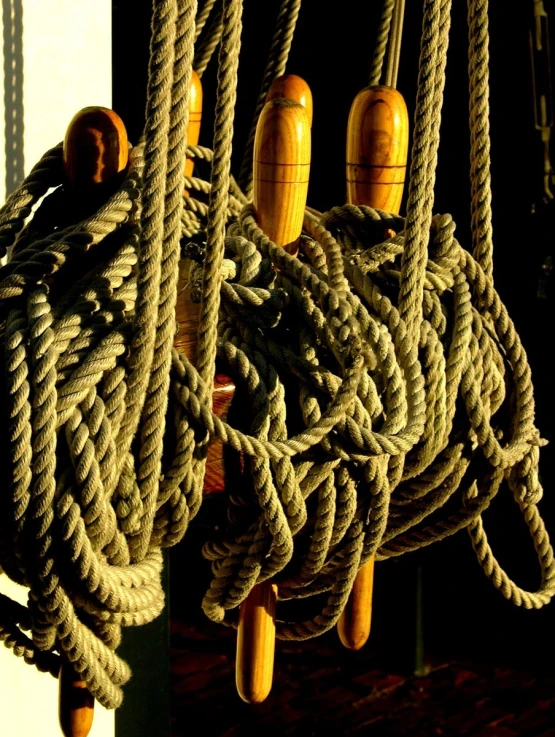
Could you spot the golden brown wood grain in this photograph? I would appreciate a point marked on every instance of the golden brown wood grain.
(76, 703)
(96, 149)
(281, 171)
(255, 644)
(377, 148)
(355, 621)
(294, 88)
(195, 118)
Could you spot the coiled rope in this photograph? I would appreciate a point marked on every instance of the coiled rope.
(390, 396)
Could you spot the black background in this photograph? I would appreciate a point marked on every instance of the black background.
(463, 615)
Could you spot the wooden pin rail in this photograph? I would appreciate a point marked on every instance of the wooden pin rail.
(281, 172)
(377, 149)
(96, 154)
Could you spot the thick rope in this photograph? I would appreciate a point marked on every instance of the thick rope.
(429, 100)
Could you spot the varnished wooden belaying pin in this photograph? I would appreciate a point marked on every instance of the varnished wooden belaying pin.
(377, 149)
(294, 88)
(281, 172)
(96, 155)
(76, 703)
(96, 149)
(195, 119)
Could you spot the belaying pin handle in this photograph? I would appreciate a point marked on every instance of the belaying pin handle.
(195, 119)
(377, 150)
(292, 87)
(281, 172)
(96, 155)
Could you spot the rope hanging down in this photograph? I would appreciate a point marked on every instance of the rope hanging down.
(390, 395)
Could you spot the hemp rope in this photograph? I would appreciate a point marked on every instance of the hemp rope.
(394, 55)
(390, 396)
(275, 66)
(381, 42)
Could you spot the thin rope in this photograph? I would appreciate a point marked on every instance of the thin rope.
(275, 66)
(208, 42)
(480, 179)
(381, 42)
(394, 53)
(203, 16)
(14, 122)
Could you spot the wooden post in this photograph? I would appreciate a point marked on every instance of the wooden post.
(281, 172)
(377, 149)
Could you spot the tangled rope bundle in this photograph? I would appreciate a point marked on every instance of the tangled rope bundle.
(390, 395)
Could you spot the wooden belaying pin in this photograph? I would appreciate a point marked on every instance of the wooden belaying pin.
(377, 149)
(294, 88)
(281, 171)
(96, 154)
(76, 703)
(195, 118)
(96, 150)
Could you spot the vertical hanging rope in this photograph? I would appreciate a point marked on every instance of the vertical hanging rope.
(275, 67)
(157, 127)
(209, 41)
(12, 21)
(202, 17)
(153, 419)
(480, 179)
(219, 190)
(427, 118)
(396, 35)
(381, 42)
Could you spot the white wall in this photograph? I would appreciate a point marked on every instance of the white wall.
(66, 65)
(66, 54)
